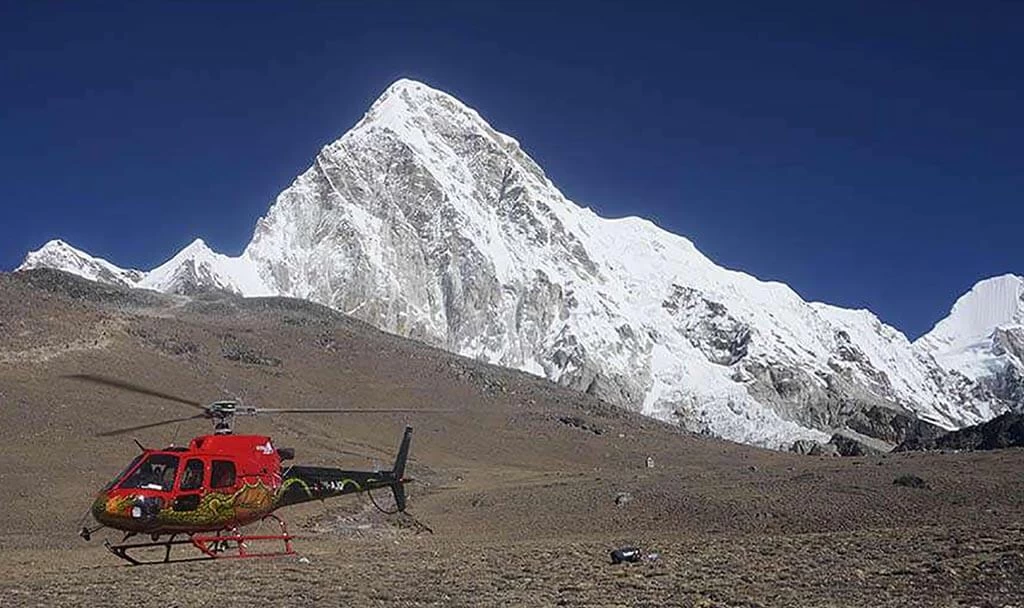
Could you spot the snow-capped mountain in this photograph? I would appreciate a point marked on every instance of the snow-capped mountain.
(425, 221)
(58, 254)
(197, 268)
(983, 339)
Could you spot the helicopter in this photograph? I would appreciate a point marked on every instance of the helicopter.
(202, 495)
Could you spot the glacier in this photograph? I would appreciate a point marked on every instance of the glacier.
(425, 221)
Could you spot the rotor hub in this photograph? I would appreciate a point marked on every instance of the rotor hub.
(223, 415)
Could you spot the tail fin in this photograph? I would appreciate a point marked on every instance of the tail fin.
(398, 472)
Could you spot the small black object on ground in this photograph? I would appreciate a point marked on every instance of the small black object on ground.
(626, 554)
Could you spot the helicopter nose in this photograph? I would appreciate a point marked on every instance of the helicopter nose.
(108, 509)
(118, 508)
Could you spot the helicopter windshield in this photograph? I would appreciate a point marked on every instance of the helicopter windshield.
(124, 471)
(155, 473)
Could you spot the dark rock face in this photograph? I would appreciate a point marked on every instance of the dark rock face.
(809, 447)
(804, 446)
(887, 425)
(920, 436)
(841, 403)
(838, 445)
(1008, 384)
(720, 337)
(848, 446)
(825, 449)
(1005, 431)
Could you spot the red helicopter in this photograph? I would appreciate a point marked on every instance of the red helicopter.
(208, 491)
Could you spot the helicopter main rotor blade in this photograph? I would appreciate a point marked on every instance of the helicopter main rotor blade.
(260, 410)
(150, 425)
(135, 388)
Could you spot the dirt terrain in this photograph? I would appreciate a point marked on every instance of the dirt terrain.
(523, 488)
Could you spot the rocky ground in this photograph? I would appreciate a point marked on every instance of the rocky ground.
(927, 566)
(524, 487)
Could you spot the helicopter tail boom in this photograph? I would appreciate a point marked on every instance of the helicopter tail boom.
(303, 484)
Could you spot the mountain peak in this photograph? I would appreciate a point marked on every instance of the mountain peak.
(58, 254)
(413, 110)
(198, 247)
(197, 268)
(410, 87)
(990, 303)
(53, 251)
(1008, 279)
(406, 96)
(414, 93)
(55, 245)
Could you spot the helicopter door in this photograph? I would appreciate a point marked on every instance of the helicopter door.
(190, 486)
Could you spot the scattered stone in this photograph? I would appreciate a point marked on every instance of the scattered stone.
(233, 349)
(910, 481)
(622, 498)
(580, 423)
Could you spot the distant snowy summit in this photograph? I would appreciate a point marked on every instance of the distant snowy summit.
(426, 222)
(58, 254)
(195, 268)
(983, 337)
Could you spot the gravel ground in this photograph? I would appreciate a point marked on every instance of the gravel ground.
(518, 483)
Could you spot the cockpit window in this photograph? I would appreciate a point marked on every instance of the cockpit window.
(155, 473)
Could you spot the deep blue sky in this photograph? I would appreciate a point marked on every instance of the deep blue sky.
(867, 154)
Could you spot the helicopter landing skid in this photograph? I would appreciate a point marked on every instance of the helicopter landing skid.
(230, 544)
(122, 550)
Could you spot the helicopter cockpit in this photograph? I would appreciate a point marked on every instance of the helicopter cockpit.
(155, 472)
